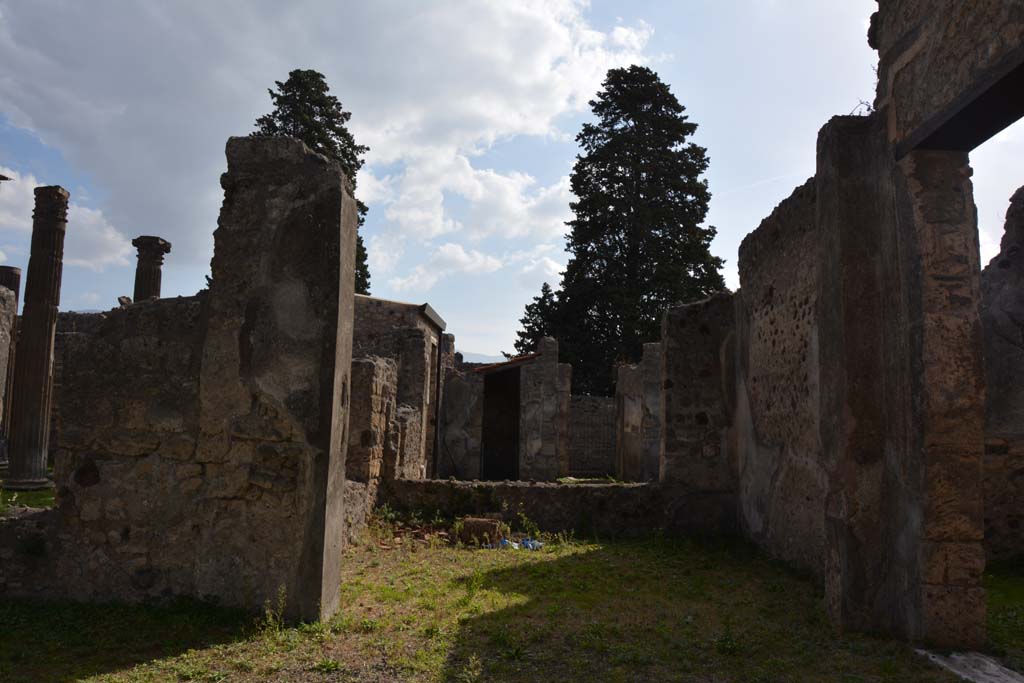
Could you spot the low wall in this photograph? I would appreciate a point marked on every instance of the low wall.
(602, 510)
(591, 436)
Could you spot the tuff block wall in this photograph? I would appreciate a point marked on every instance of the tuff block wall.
(371, 418)
(411, 350)
(940, 66)
(1002, 317)
(591, 436)
(203, 439)
(638, 417)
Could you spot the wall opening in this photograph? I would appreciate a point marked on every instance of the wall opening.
(499, 450)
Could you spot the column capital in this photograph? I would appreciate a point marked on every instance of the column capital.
(151, 247)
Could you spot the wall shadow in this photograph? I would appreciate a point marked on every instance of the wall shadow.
(55, 642)
(664, 611)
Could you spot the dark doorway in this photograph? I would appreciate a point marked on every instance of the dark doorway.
(499, 449)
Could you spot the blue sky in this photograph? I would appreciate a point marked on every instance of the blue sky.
(470, 110)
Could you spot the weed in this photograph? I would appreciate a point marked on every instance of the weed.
(327, 665)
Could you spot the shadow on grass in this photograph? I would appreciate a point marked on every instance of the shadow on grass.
(43, 642)
(1004, 584)
(664, 611)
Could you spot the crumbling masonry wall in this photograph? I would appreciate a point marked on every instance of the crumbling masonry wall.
(545, 387)
(462, 429)
(1002, 316)
(591, 436)
(638, 417)
(202, 444)
(698, 476)
(783, 481)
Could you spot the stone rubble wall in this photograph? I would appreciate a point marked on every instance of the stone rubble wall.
(410, 349)
(591, 436)
(783, 481)
(638, 417)
(586, 510)
(1002, 316)
(462, 430)
(544, 391)
(202, 444)
(373, 412)
(698, 475)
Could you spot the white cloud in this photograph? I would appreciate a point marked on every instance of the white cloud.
(430, 85)
(91, 241)
(448, 259)
(539, 271)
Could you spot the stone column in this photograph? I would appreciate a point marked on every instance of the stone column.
(147, 272)
(10, 277)
(33, 375)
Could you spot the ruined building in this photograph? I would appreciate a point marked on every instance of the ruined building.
(855, 409)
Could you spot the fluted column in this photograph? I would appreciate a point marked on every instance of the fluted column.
(147, 272)
(33, 373)
(10, 277)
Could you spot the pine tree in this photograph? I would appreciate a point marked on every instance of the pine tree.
(636, 240)
(305, 109)
(538, 320)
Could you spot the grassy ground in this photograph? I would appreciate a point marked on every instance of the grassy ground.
(34, 499)
(418, 610)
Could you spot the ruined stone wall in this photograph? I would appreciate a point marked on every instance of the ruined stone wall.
(1002, 316)
(587, 510)
(544, 415)
(410, 349)
(371, 418)
(783, 481)
(203, 439)
(591, 436)
(698, 475)
(934, 55)
(463, 426)
(638, 417)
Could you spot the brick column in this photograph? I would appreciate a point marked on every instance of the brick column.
(147, 272)
(10, 277)
(33, 374)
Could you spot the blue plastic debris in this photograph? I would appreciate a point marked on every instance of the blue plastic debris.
(531, 544)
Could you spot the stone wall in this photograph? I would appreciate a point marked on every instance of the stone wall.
(697, 473)
(638, 417)
(586, 510)
(202, 447)
(591, 436)
(411, 351)
(783, 481)
(1002, 316)
(936, 58)
(462, 430)
(400, 331)
(545, 387)
(371, 418)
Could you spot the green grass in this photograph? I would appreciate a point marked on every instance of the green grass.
(32, 499)
(653, 610)
(1005, 585)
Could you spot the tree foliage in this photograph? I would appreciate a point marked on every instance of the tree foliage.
(304, 108)
(538, 320)
(636, 241)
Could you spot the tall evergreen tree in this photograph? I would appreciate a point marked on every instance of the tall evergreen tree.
(304, 108)
(636, 240)
(538, 320)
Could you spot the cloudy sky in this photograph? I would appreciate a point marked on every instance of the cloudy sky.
(469, 108)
